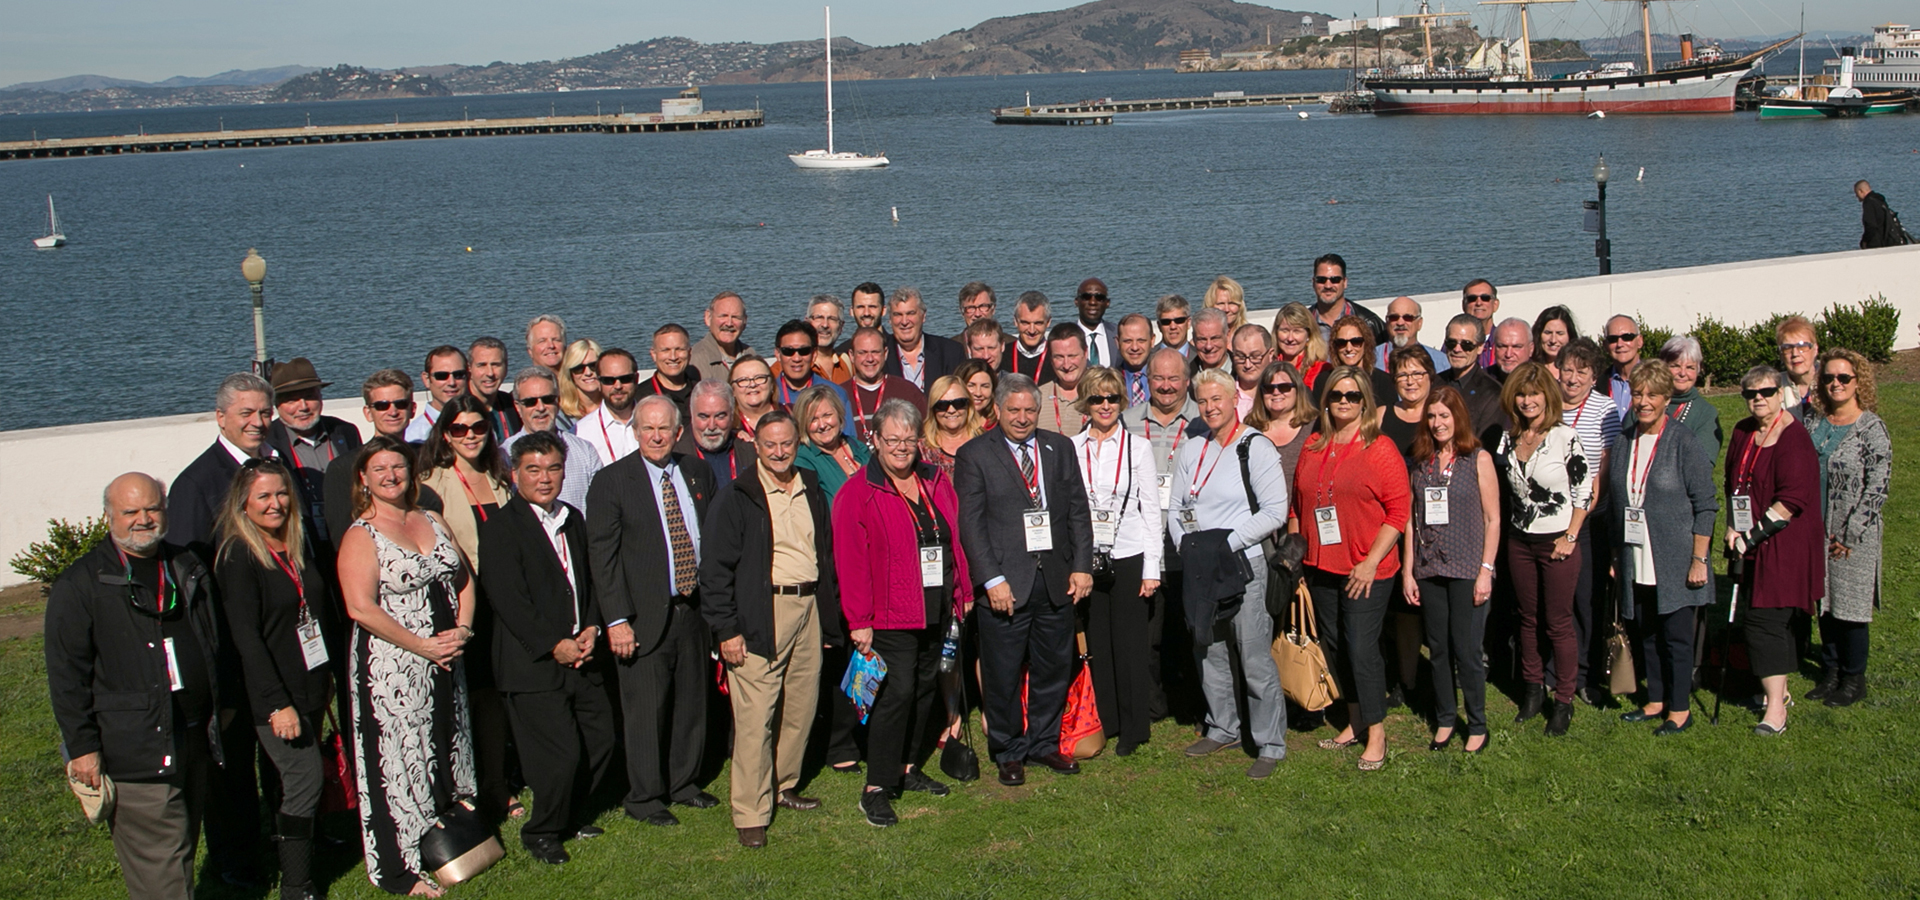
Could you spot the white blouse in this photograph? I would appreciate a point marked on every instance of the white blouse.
(1120, 478)
(1553, 482)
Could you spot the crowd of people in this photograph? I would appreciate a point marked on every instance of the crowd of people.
(531, 575)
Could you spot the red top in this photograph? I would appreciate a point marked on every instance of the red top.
(1788, 570)
(1368, 487)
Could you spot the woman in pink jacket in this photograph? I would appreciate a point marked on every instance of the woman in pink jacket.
(904, 588)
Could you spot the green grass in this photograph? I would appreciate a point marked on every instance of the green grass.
(1829, 809)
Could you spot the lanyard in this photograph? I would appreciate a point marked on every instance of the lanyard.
(1148, 418)
(1743, 473)
(605, 432)
(472, 497)
(1193, 490)
(747, 427)
(786, 391)
(923, 511)
(293, 574)
(1059, 422)
(1039, 361)
(733, 464)
(859, 412)
(1679, 412)
(657, 388)
(1446, 473)
(1636, 476)
(162, 594)
(1581, 410)
(1323, 494)
(1118, 460)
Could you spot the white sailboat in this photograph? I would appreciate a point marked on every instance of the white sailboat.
(828, 159)
(54, 236)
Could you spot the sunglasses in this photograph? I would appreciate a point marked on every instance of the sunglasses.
(1750, 393)
(1842, 377)
(1099, 399)
(543, 399)
(1328, 279)
(1461, 344)
(1345, 396)
(581, 368)
(1402, 317)
(460, 430)
(940, 406)
(629, 378)
(455, 375)
(1093, 296)
(384, 405)
(1338, 343)
(1624, 336)
(1280, 387)
(796, 351)
(1796, 345)
(1477, 298)
(1171, 321)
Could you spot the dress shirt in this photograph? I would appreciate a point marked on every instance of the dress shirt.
(552, 522)
(311, 452)
(422, 424)
(610, 437)
(240, 456)
(1621, 393)
(917, 371)
(1220, 500)
(1096, 344)
(1039, 480)
(1119, 475)
(687, 516)
(583, 462)
(793, 548)
(1243, 402)
(1185, 349)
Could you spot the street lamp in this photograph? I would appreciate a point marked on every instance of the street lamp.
(254, 270)
(1601, 246)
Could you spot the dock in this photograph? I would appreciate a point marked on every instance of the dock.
(624, 123)
(1102, 111)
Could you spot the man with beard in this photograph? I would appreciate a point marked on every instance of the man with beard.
(1404, 319)
(309, 442)
(828, 315)
(610, 429)
(711, 437)
(1330, 299)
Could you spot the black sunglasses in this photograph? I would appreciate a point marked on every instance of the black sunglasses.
(1345, 396)
(1097, 399)
(1477, 298)
(460, 430)
(1750, 393)
(384, 405)
(1280, 387)
(1093, 296)
(629, 378)
(1459, 344)
(1831, 377)
(1328, 279)
(796, 351)
(1623, 336)
(941, 406)
(1401, 317)
(455, 375)
(580, 368)
(1172, 321)
(1348, 342)
(531, 402)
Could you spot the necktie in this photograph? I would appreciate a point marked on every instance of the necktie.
(677, 537)
(1137, 390)
(1026, 473)
(1093, 343)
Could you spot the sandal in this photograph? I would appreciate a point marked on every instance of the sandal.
(515, 810)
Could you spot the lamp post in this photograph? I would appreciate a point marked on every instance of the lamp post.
(1601, 246)
(254, 270)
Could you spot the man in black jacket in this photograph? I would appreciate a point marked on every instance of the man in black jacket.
(1330, 303)
(309, 442)
(643, 537)
(912, 353)
(767, 589)
(1878, 225)
(1482, 393)
(540, 584)
(130, 644)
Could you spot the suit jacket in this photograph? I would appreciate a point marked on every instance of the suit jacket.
(736, 565)
(344, 441)
(628, 547)
(941, 357)
(993, 498)
(193, 503)
(534, 607)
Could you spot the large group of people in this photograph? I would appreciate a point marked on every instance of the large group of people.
(534, 574)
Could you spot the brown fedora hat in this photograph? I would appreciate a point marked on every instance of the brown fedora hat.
(296, 374)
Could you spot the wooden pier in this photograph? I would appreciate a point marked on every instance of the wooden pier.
(624, 123)
(1102, 111)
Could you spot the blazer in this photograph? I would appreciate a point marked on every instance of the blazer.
(880, 572)
(993, 496)
(627, 547)
(262, 609)
(533, 606)
(459, 513)
(344, 442)
(193, 501)
(736, 564)
(941, 356)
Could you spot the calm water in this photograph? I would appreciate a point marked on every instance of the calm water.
(144, 311)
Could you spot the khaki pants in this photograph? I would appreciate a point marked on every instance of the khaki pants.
(773, 706)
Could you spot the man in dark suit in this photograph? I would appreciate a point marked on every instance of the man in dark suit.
(1091, 301)
(913, 354)
(1480, 390)
(540, 585)
(308, 442)
(1028, 536)
(643, 537)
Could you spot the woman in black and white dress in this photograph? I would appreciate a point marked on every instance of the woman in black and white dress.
(411, 600)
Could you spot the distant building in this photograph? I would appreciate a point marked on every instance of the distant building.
(1376, 23)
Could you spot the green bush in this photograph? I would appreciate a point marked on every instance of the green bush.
(1725, 351)
(1652, 339)
(43, 561)
(1868, 329)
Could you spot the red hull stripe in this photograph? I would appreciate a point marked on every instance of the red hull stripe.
(1382, 105)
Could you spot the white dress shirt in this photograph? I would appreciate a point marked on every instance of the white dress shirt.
(552, 522)
(612, 438)
(422, 424)
(1119, 474)
(1096, 344)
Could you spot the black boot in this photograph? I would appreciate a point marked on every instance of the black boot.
(1852, 688)
(1530, 705)
(1559, 718)
(1828, 681)
(296, 858)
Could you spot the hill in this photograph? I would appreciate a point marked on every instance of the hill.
(344, 82)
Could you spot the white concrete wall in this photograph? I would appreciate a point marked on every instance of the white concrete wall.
(59, 472)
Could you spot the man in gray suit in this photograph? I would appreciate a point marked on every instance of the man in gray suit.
(1028, 537)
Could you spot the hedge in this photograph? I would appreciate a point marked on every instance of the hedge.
(1728, 351)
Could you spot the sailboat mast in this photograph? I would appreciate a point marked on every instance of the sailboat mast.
(829, 10)
(1526, 41)
(1646, 31)
(1803, 52)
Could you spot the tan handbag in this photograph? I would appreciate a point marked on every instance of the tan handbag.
(1303, 665)
(1621, 677)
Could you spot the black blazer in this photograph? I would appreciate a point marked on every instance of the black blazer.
(993, 495)
(193, 502)
(736, 566)
(631, 560)
(942, 356)
(262, 608)
(533, 606)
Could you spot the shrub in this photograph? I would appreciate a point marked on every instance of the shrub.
(1725, 352)
(1868, 329)
(1652, 339)
(43, 561)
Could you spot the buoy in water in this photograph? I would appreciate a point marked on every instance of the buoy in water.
(896, 214)
(1643, 174)
(469, 249)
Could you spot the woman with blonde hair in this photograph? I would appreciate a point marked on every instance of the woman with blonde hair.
(1226, 295)
(1297, 340)
(951, 421)
(825, 449)
(580, 389)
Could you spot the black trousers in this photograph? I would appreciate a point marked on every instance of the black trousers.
(903, 710)
(566, 742)
(1035, 639)
(1354, 627)
(836, 719)
(1843, 646)
(1667, 643)
(233, 806)
(1770, 641)
(1118, 651)
(663, 696)
(1456, 628)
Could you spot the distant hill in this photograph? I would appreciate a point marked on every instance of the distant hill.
(73, 83)
(344, 82)
(236, 77)
(661, 61)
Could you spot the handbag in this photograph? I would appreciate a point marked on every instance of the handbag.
(459, 845)
(1082, 735)
(339, 790)
(1304, 674)
(1621, 677)
(958, 758)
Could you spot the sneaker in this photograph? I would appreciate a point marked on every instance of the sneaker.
(878, 809)
(1262, 767)
(1207, 745)
(917, 780)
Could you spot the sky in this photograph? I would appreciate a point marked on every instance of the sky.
(149, 40)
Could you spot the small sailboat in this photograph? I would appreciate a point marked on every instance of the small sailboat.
(828, 158)
(54, 238)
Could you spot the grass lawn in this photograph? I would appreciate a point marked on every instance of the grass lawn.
(1830, 809)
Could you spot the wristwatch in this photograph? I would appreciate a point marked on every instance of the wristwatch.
(1489, 567)
(1703, 560)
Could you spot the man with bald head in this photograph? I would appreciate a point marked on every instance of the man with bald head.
(130, 643)
(726, 319)
(1512, 345)
(1404, 320)
(1091, 300)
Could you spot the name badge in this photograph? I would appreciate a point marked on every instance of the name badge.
(1742, 512)
(173, 668)
(1039, 524)
(311, 645)
(1106, 527)
(1186, 517)
(933, 567)
(1328, 520)
(1166, 491)
(1635, 530)
(1436, 505)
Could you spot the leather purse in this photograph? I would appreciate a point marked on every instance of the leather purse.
(460, 845)
(1620, 674)
(339, 790)
(1304, 674)
(958, 758)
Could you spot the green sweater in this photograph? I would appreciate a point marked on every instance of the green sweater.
(822, 465)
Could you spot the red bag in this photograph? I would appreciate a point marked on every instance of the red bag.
(1082, 736)
(339, 790)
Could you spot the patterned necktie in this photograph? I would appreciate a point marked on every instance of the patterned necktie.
(1137, 391)
(677, 537)
(1026, 473)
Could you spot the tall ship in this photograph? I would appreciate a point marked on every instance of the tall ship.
(1500, 80)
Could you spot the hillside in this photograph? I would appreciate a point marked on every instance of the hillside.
(661, 61)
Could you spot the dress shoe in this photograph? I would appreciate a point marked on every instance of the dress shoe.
(1593, 695)
(1334, 743)
(1397, 697)
(1012, 774)
(1207, 745)
(1667, 727)
(879, 809)
(1638, 714)
(588, 831)
(1530, 705)
(1829, 680)
(1852, 689)
(1765, 730)
(1058, 762)
(917, 780)
(1262, 768)
(546, 850)
(1484, 741)
(1126, 747)
(702, 800)
(661, 818)
(791, 799)
(1559, 718)
(753, 838)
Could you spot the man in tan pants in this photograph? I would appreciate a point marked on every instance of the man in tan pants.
(767, 589)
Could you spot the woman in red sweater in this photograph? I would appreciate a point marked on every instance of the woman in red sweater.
(904, 585)
(1351, 502)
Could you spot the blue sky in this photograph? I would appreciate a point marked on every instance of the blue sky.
(153, 39)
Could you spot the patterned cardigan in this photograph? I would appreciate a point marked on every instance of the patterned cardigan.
(1858, 472)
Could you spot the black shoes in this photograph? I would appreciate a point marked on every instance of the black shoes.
(1851, 690)
(1530, 705)
(661, 819)
(1666, 728)
(702, 800)
(1829, 680)
(1639, 714)
(546, 850)
(879, 809)
(1593, 695)
(1012, 774)
(917, 780)
(1126, 747)
(1058, 762)
(1397, 697)
(1559, 718)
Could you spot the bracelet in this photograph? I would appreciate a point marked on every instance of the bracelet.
(1703, 560)
(1489, 567)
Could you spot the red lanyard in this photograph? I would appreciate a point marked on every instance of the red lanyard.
(1323, 494)
(786, 391)
(859, 413)
(1193, 490)
(1581, 410)
(474, 498)
(1678, 411)
(924, 507)
(1118, 459)
(1059, 423)
(733, 464)
(1743, 473)
(656, 384)
(293, 574)
(746, 427)
(1148, 418)
(605, 431)
(1636, 476)
(1040, 361)
(159, 593)
(1033, 481)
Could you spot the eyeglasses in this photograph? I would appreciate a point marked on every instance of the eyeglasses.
(1171, 321)
(1100, 399)
(1750, 393)
(1279, 387)
(1090, 295)
(897, 443)
(940, 406)
(629, 378)
(543, 399)
(584, 367)
(1460, 344)
(1250, 358)
(1338, 343)
(384, 405)
(1795, 345)
(1328, 279)
(1412, 373)
(751, 380)
(1403, 317)
(460, 429)
(796, 351)
(1476, 298)
(1345, 396)
(1628, 336)
(455, 375)
(1831, 377)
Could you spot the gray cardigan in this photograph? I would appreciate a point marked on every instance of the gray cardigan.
(1858, 472)
(1681, 501)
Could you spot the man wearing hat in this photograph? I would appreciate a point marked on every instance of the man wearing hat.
(307, 441)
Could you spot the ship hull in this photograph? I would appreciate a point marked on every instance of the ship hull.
(1707, 90)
